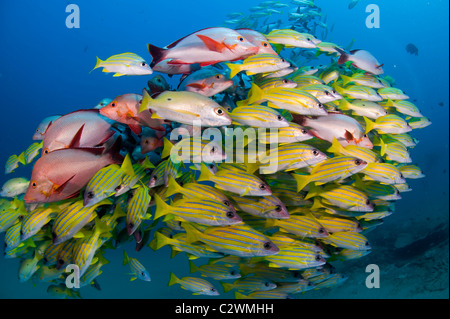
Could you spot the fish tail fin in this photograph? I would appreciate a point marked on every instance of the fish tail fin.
(344, 105)
(383, 147)
(97, 64)
(192, 267)
(234, 69)
(205, 174)
(102, 228)
(161, 241)
(339, 89)
(256, 94)
(192, 233)
(168, 146)
(157, 54)
(313, 191)
(302, 181)
(146, 101)
(173, 279)
(346, 79)
(389, 103)
(126, 259)
(172, 187)
(162, 208)
(21, 158)
(317, 204)
(344, 56)
(370, 125)
(226, 286)
(336, 147)
(238, 295)
(127, 166)
(270, 222)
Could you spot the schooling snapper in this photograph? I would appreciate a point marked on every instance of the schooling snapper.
(264, 169)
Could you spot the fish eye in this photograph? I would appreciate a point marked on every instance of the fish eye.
(143, 64)
(90, 194)
(33, 184)
(233, 273)
(315, 152)
(366, 243)
(265, 44)
(219, 111)
(60, 261)
(267, 245)
(283, 60)
(320, 105)
(262, 186)
(241, 39)
(229, 109)
(267, 284)
(146, 141)
(321, 230)
(365, 136)
(226, 202)
(368, 202)
(308, 39)
(142, 273)
(318, 258)
(279, 118)
(304, 131)
(169, 99)
(213, 289)
(334, 92)
(230, 214)
(358, 161)
(213, 149)
(140, 101)
(401, 175)
(211, 166)
(218, 76)
(46, 151)
(278, 208)
(285, 81)
(118, 188)
(113, 104)
(327, 93)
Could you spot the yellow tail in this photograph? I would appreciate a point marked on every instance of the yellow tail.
(234, 69)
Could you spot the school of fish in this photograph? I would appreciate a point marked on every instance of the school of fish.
(264, 224)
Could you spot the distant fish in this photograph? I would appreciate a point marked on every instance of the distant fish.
(412, 49)
(124, 64)
(352, 4)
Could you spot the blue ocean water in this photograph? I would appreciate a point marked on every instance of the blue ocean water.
(45, 71)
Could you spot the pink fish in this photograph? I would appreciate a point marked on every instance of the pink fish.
(346, 129)
(94, 130)
(205, 47)
(61, 174)
(208, 81)
(257, 39)
(361, 59)
(125, 109)
(151, 140)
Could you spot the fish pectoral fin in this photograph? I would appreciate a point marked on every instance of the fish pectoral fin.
(212, 44)
(349, 136)
(199, 86)
(188, 113)
(59, 188)
(118, 74)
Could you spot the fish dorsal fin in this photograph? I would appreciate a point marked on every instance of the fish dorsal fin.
(75, 142)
